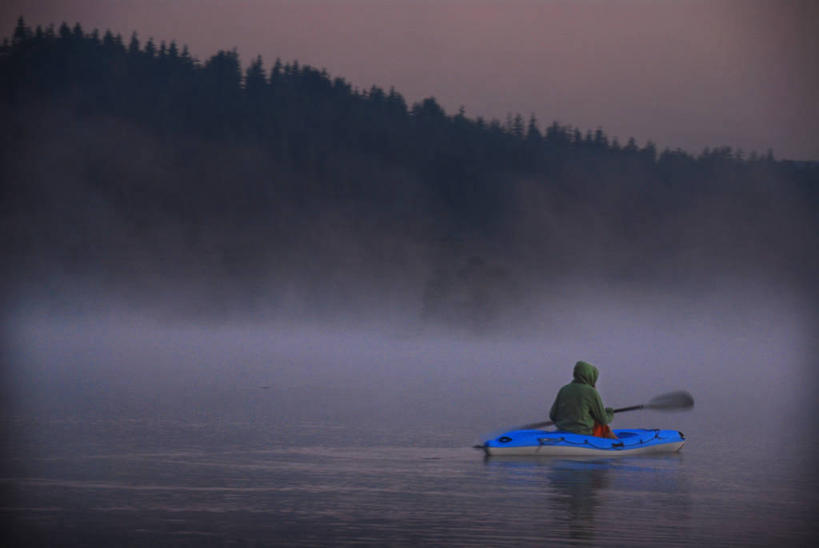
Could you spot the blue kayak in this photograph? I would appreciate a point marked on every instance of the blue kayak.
(566, 444)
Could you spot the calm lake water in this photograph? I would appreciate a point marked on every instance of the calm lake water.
(131, 482)
(109, 441)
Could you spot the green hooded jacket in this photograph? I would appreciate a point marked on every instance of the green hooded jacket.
(578, 405)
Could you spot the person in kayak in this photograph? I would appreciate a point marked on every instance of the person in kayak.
(578, 407)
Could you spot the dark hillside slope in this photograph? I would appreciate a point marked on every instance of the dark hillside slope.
(139, 165)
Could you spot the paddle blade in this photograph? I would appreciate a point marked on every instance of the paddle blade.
(672, 401)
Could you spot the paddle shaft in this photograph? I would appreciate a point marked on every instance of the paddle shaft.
(536, 425)
(632, 408)
(673, 400)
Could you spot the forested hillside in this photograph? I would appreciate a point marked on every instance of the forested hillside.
(135, 164)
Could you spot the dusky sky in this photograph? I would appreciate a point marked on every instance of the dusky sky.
(688, 74)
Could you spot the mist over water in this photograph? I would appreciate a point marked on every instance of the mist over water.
(120, 417)
(735, 351)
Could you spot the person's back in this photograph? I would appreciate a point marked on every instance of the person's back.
(578, 407)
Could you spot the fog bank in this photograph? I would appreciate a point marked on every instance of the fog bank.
(738, 352)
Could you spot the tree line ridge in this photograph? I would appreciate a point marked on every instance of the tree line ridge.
(117, 151)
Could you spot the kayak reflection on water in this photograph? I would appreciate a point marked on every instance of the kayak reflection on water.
(577, 486)
(583, 492)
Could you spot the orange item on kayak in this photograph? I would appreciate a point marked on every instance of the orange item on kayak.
(602, 431)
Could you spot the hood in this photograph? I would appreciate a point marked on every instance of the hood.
(585, 373)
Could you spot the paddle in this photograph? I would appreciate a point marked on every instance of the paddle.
(673, 401)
